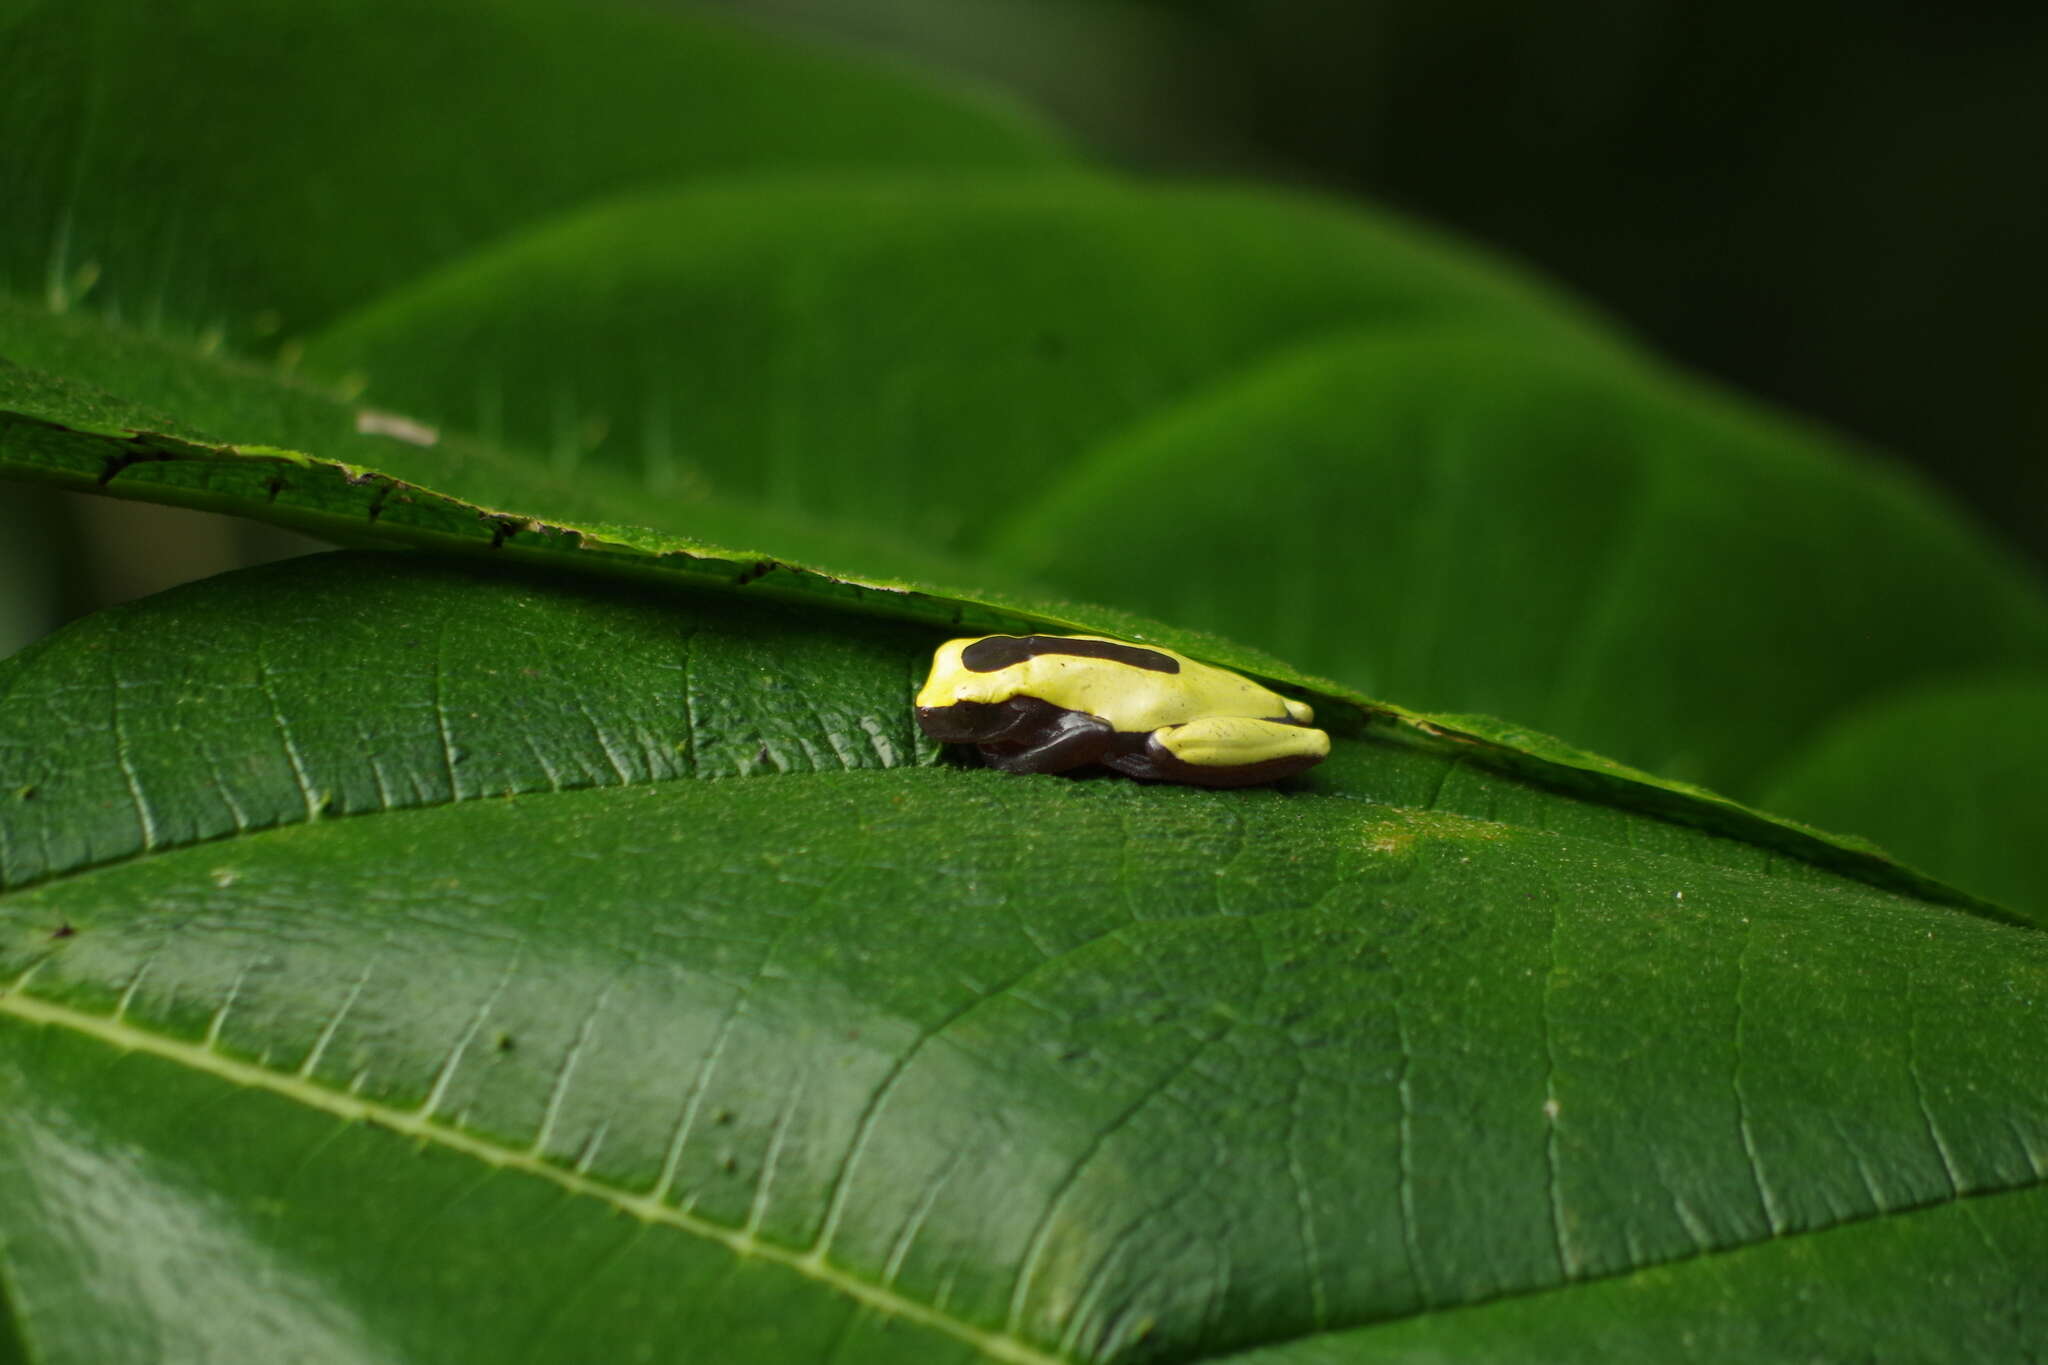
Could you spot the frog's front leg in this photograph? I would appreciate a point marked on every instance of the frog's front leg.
(1060, 739)
(1225, 751)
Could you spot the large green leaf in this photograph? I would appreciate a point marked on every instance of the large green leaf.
(477, 964)
(917, 354)
(251, 440)
(1825, 1297)
(55, 430)
(249, 169)
(1948, 775)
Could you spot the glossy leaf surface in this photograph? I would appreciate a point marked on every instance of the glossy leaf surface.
(478, 912)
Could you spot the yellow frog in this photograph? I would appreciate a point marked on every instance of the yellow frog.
(1047, 703)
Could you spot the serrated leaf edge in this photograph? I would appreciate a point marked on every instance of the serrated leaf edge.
(661, 557)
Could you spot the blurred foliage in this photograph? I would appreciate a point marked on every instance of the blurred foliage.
(1837, 206)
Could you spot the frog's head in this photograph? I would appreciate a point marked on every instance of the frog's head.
(952, 682)
(968, 700)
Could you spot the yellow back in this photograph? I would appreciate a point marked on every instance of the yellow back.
(1129, 696)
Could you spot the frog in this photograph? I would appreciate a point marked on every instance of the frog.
(1055, 703)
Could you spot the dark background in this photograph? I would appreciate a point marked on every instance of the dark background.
(1837, 207)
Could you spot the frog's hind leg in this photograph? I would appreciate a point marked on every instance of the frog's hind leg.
(1225, 751)
(1066, 740)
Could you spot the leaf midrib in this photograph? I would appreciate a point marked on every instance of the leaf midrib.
(650, 1207)
(202, 1057)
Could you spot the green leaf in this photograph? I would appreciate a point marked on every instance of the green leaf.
(1953, 1282)
(1948, 775)
(86, 439)
(248, 170)
(1473, 522)
(912, 354)
(248, 439)
(482, 963)
(72, 794)
(431, 683)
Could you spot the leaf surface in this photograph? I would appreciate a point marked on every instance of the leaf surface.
(850, 1049)
(912, 354)
(1949, 1282)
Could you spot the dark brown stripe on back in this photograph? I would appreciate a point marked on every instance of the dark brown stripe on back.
(1000, 651)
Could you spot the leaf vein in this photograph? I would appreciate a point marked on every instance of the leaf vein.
(417, 1124)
